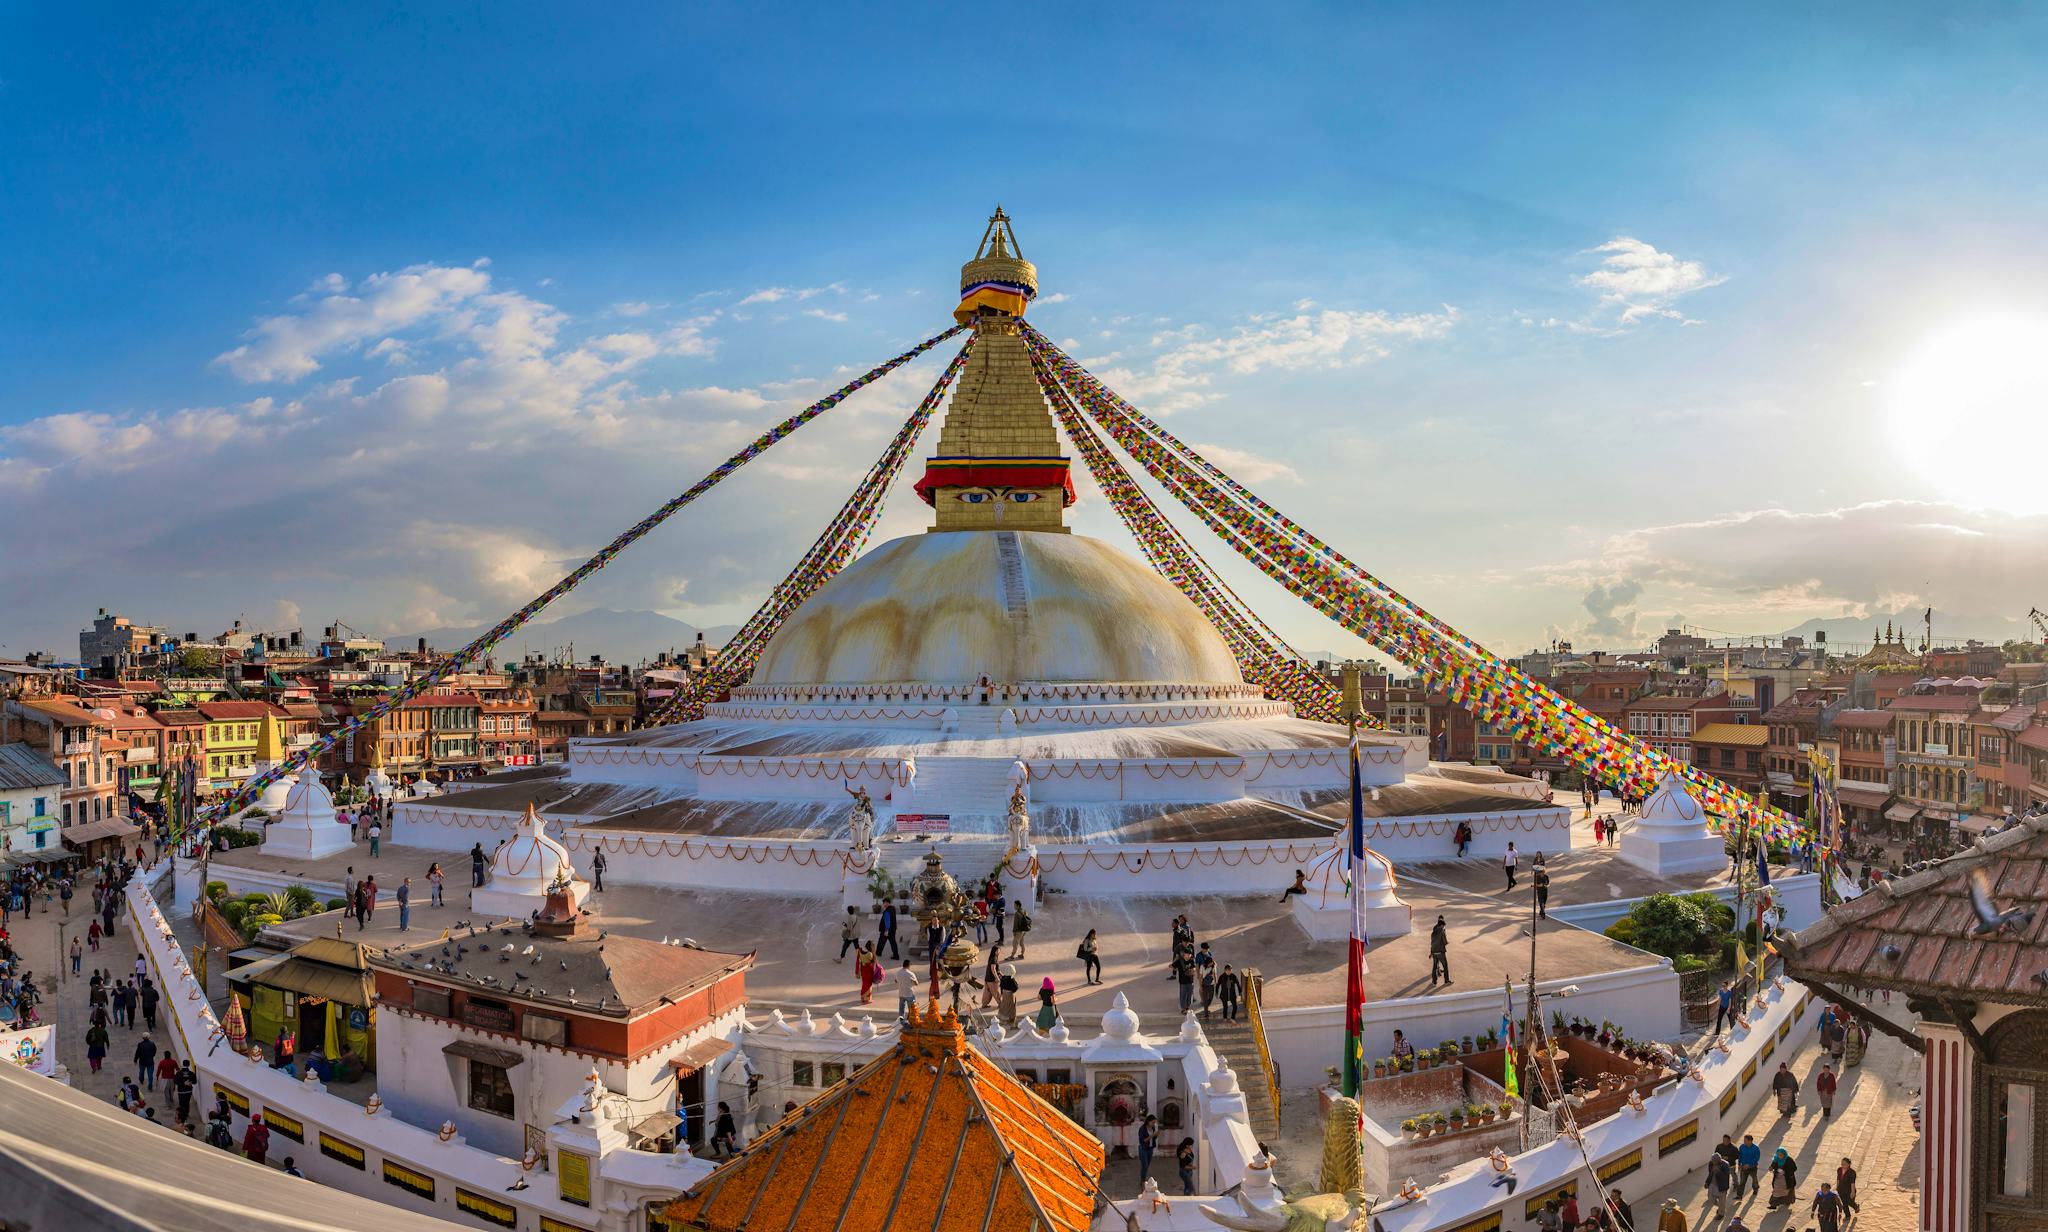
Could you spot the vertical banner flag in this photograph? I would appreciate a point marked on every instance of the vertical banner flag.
(1513, 1085)
(1354, 976)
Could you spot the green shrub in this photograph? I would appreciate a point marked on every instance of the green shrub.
(1671, 925)
(216, 891)
(1623, 930)
(301, 901)
(234, 911)
(1688, 962)
(337, 904)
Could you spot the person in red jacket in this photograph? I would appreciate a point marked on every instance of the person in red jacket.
(1824, 1086)
(256, 1139)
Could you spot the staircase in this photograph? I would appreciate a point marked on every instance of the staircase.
(1016, 586)
(1233, 1042)
(974, 790)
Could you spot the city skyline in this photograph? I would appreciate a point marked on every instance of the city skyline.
(1555, 367)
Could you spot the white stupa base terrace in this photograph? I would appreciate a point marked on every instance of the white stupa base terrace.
(310, 842)
(1671, 836)
(518, 903)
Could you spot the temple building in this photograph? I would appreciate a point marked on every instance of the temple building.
(1979, 988)
(931, 1134)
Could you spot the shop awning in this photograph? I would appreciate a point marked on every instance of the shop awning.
(1902, 812)
(1978, 823)
(659, 1125)
(470, 1050)
(1863, 795)
(700, 1054)
(88, 831)
(1785, 783)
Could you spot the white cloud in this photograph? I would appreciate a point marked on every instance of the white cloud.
(1635, 280)
(775, 295)
(1245, 466)
(823, 315)
(1764, 570)
(632, 308)
(288, 347)
(1326, 339)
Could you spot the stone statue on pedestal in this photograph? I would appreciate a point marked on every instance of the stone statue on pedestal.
(862, 824)
(1019, 820)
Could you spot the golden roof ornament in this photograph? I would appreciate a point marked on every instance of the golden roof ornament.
(998, 281)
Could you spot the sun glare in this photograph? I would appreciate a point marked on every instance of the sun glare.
(1983, 381)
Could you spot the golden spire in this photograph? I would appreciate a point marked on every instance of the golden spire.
(269, 740)
(999, 465)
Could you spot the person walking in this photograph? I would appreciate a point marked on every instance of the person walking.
(597, 867)
(145, 1062)
(1148, 1142)
(370, 895)
(356, 907)
(1599, 830)
(167, 1072)
(95, 1046)
(1006, 997)
(434, 879)
(1208, 987)
(1824, 1085)
(1439, 953)
(1719, 1179)
(1184, 972)
(256, 1139)
(1845, 1186)
(1786, 1087)
(405, 904)
(885, 933)
(187, 1080)
(1747, 1157)
(148, 997)
(376, 837)
(1507, 863)
(1020, 924)
(1827, 1208)
(1784, 1179)
(1542, 883)
(1184, 1157)
(868, 970)
(92, 936)
(77, 954)
(1048, 1015)
(1726, 1014)
(906, 990)
(1091, 959)
(476, 865)
(849, 935)
(1229, 987)
(1670, 1218)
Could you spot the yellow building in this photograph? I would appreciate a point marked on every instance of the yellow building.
(234, 738)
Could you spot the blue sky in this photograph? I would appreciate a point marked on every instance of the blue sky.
(1571, 321)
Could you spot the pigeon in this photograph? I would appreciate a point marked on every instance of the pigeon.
(1891, 952)
(1989, 918)
(2041, 977)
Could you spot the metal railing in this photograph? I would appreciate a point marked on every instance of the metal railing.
(1254, 991)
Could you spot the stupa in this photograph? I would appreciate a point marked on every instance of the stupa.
(525, 871)
(305, 825)
(1671, 835)
(930, 669)
(270, 752)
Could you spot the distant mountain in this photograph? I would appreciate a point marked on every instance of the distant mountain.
(621, 637)
(1949, 629)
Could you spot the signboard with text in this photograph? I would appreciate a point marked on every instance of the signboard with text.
(924, 823)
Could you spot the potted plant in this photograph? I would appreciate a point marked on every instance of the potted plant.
(1447, 1049)
(1408, 1064)
(1465, 1044)
(1457, 1120)
(1507, 1109)
(1409, 1129)
(1557, 1022)
(1379, 1068)
(1437, 1123)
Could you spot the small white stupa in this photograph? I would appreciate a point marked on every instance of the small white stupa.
(270, 752)
(522, 871)
(1325, 913)
(376, 782)
(306, 825)
(1671, 836)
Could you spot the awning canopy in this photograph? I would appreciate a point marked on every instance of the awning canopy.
(1978, 823)
(1863, 795)
(470, 1050)
(699, 1055)
(88, 831)
(656, 1126)
(1902, 812)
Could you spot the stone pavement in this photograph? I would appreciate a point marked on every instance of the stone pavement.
(65, 999)
(1872, 1125)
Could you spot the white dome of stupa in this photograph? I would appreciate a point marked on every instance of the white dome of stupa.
(1120, 1021)
(307, 801)
(1671, 805)
(531, 860)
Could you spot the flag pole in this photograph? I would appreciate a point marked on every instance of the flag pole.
(1354, 977)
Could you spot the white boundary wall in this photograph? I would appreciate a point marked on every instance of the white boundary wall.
(631, 1179)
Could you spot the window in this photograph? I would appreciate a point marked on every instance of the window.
(802, 1074)
(490, 1088)
(2016, 1140)
(832, 1072)
(430, 1001)
(67, 812)
(548, 1029)
(1059, 1077)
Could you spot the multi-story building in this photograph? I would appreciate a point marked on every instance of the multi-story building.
(400, 738)
(82, 746)
(115, 642)
(142, 754)
(31, 793)
(1666, 722)
(1453, 734)
(1795, 728)
(184, 738)
(1969, 659)
(452, 730)
(231, 732)
(1863, 775)
(1732, 752)
(1606, 692)
(612, 708)
(555, 728)
(1400, 705)
(1997, 764)
(1934, 740)
(506, 735)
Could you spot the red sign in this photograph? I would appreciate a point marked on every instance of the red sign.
(924, 823)
(521, 759)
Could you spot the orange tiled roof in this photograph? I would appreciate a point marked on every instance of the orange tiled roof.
(930, 1134)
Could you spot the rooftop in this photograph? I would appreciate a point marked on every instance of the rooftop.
(1754, 735)
(1918, 933)
(930, 1134)
(23, 767)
